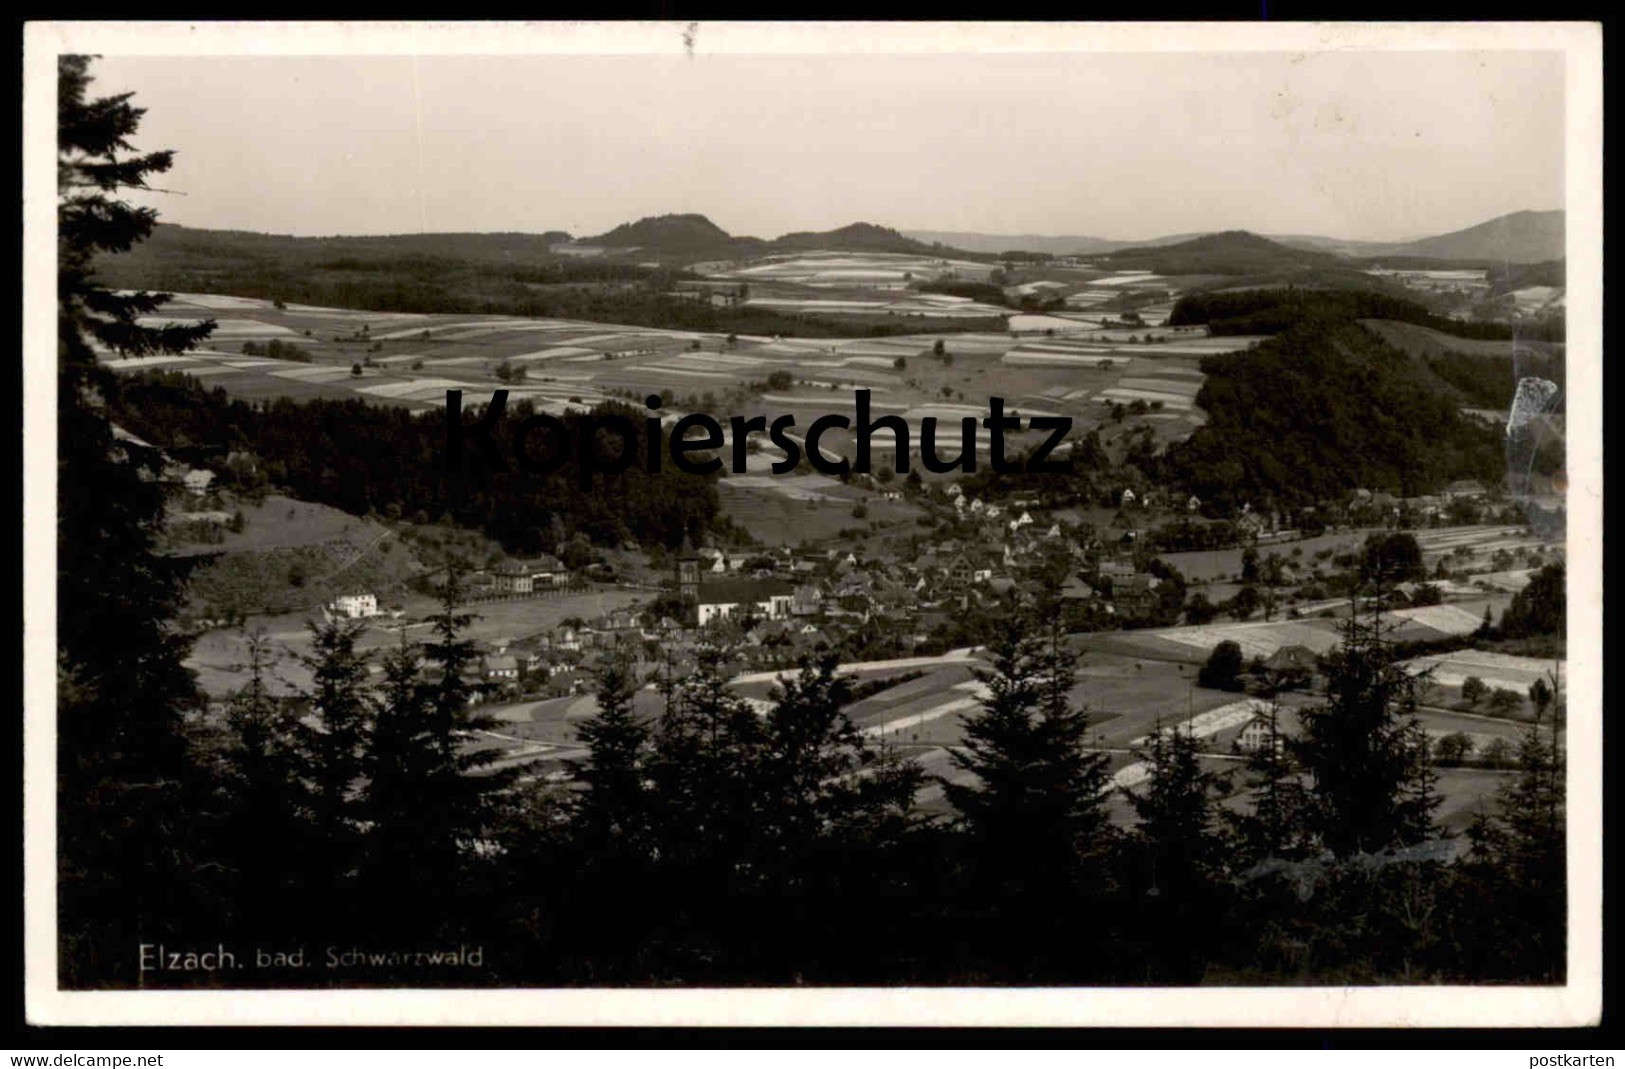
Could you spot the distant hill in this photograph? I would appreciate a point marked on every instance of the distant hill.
(859, 237)
(1340, 246)
(1233, 252)
(665, 233)
(1055, 245)
(1520, 238)
(197, 247)
(1062, 245)
(695, 235)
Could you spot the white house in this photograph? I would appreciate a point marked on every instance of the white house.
(766, 598)
(198, 480)
(356, 606)
(1257, 735)
(502, 669)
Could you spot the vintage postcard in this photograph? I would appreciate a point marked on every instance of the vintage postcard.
(818, 523)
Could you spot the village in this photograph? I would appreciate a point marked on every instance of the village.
(774, 605)
(906, 614)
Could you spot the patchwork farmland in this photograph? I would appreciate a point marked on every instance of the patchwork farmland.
(563, 365)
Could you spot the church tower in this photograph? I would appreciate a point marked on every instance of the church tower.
(688, 579)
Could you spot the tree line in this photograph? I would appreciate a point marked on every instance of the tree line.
(363, 458)
(1273, 310)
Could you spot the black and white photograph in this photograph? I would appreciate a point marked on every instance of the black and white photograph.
(813, 523)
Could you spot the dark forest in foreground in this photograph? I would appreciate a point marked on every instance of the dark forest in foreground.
(713, 845)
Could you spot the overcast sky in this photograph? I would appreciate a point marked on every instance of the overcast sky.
(1379, 146)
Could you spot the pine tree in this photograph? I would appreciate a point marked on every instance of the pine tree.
(398, 758)
(1274, 827)
(1036, 808)
(706, 745)
(834, 818)
(612, 813)
(460, 792)
(808, 744)
(433, 802)
(268, 814)
(1181, 850)
(1519, 855)
(820, 779)
(336, 747)
(126, 779)
(1364, 749)
(1177, 824)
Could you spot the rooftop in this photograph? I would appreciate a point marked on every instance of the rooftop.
(742, 591)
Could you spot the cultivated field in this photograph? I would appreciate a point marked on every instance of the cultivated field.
(1071, 368)
(414, 360)
(1259, 638)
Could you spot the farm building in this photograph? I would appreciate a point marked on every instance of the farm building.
(502, 669)
(1258, 734)
(768, 598)
(356, 606)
